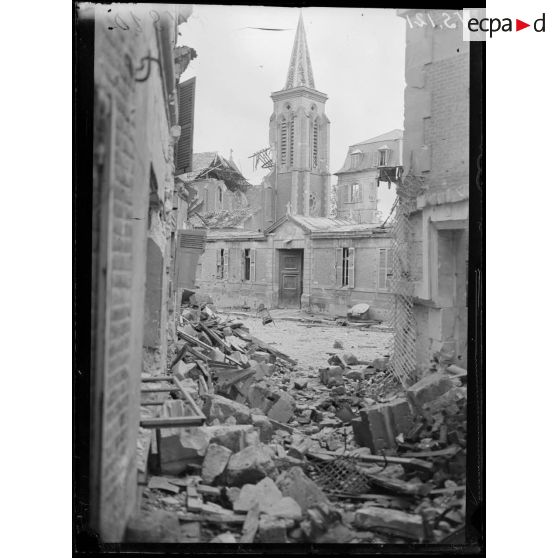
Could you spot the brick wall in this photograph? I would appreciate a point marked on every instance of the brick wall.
(138, 140)
(446, 131)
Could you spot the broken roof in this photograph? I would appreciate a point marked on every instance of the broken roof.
(210, 164)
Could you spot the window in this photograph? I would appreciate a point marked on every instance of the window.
(346, 267)
(354, 193)
(315, 144)
(385, 269)
(248, 265)
(384, 156)
(221, 263)
(291, 143)
(246, 273)
(283, 142)
(345, 275)
(219, 198)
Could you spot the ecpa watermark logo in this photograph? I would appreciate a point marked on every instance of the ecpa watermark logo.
(478, 27)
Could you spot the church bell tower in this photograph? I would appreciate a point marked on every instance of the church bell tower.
(299, 139)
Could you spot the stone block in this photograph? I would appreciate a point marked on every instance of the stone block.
(286, 508)
(374, 418)
(275, 403)
(401, 416)
(250, 465)
(427, 389)
(272, 530)
(283, 409)
(227, 537)
(218, 407)
(235, 437)
(265, 493)
(262, 356)
(362, 434)
(262, 370)
(350, 358)
(300, 384)
(179, 448)
(395, 521)
(332, 376)
(153, 526)
(380, 363)
(338, 344)
(181, 369)
(294, 483)
(263, 426)
(215, 462)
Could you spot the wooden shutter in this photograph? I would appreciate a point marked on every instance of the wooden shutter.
(253, 265)
(382, 269)
(338, 267)
(185, 146)
(242, 264)
(226, 264)
(376, 159)
(351, 281)
(389, 269)
(218, 264)
(348, 193)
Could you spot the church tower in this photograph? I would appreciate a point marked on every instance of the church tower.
(299, 139)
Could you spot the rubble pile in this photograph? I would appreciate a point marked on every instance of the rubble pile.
(341, 453)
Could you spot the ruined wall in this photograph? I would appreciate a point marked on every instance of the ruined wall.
(436, 147)
(364, 211)
(322, 292)
(139, 153)
(328, 296)
(232, 290)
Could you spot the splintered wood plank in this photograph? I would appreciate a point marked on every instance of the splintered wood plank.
(250, 527)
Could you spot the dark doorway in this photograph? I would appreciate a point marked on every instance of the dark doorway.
(290, 278)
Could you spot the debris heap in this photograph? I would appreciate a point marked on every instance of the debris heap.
(338, 454)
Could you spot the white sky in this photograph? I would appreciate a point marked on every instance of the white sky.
(358, 60)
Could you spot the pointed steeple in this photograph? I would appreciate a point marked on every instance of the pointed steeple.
(300, 68)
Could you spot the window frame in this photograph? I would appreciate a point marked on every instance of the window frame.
(385, 271)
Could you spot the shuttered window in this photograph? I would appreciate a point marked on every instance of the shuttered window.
(345, 267)
(385, 269)
(184, 148)
(315, 144)
(291, 142)
(220, 263)
(283, 142)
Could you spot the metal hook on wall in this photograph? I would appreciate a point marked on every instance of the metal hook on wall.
(145, 61)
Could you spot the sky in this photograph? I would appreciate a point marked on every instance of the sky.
(358, 60)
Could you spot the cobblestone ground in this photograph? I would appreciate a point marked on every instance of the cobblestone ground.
(312, 345)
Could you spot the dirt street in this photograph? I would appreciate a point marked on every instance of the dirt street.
(312, 346)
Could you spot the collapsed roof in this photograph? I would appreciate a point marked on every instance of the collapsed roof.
(212, 165)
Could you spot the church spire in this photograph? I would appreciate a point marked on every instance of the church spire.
(300, 68)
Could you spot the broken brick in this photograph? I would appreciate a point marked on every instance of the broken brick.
(218, 407)
(272, 530)
(250, 465)
(332, 376)
(215, 462)
(398, 522)
(294, 483)
(428, 388)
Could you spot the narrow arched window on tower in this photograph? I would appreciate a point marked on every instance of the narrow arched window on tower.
(283, 142)
(315, 144)
(291, 142)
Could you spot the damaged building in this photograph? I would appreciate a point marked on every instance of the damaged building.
(436, 163)
(291, 254)
(135, 128)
